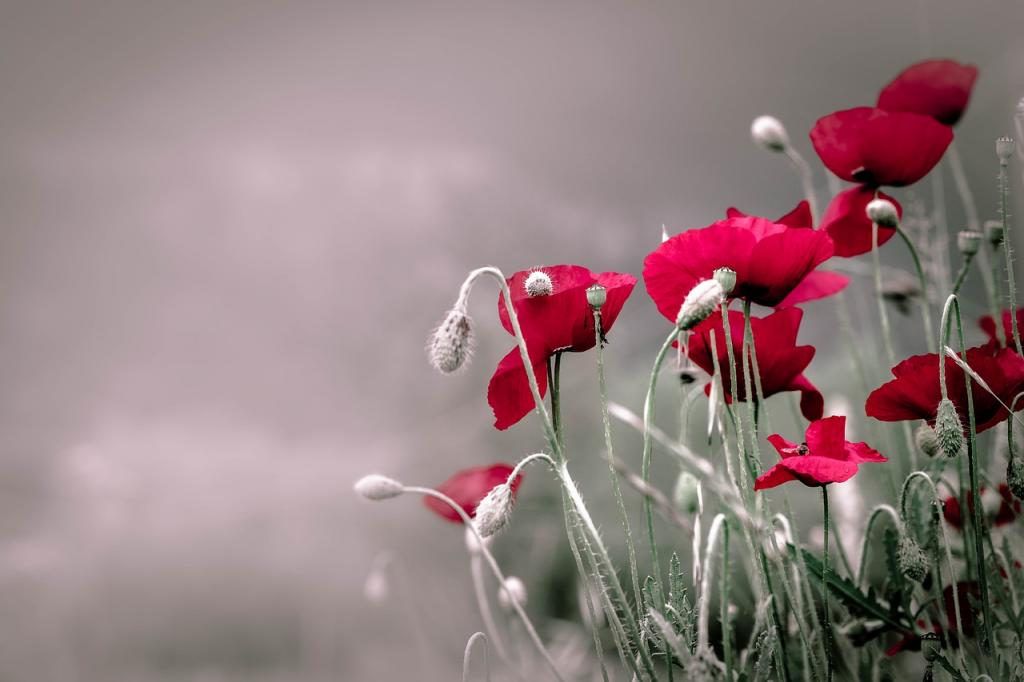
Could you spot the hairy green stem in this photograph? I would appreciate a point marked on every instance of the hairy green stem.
(961, 276)
(1004, 215)
(826, 625)
(926, 306)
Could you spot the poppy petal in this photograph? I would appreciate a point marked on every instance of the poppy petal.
(775, 476)
(847, 223)
(939, 88)
(817, 284)
(508, 392)
(467, 487)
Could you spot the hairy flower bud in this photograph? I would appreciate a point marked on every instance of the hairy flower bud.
(452, 342)
(948, 429)
(376, 487)
(538, 283)
(994, 232)
(686, 493)
(769, 133)
(912, 559)
(1015, 477)
(512, 590)
(927, 441)
(1004, 149)
(727, 278)
(494, 511)
(883, 212)
(968, 242)
(702, 300)
(596, 295)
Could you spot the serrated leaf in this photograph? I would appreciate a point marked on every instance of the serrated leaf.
(847, 592)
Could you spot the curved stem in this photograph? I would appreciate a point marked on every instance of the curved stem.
(493, 565)
(484, 604)
(883, 314)
(473, 639)
(926, 306)
(961, 276)
(806, 181)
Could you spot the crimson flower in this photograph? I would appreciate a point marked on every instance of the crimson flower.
(824, 457)
(874, 147)
(560, 320)
(468, 486)
(780, 361)
(770, 261)
(915, 392)
(939, 88)
(846, 221)
(988, 325)
(1006, 507)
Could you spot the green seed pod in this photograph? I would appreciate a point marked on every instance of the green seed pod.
(948, 429)
(596, 295)
(994, 232)
(927, 441)
(931, 646)
(968, 242)
(912, 559)
(727, 278)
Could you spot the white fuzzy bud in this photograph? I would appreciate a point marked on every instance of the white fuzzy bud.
(538, 283)
(926, 440)
(912, 560)
(1004, 149)
(494, 511)
(376, 487)
(883, 212)
(473, 545)
(769, 133)
(703, 299)
(686, 493)
(452, 343)
(512, 590)
(968, 242)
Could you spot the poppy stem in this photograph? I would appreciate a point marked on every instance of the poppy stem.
(977, 527)
(1004, 215)
(826, 626)
(962, 275)
(806, 181)
(493, 565)
(474, 638)
(883, 314)
(634, 573)
(922, 278)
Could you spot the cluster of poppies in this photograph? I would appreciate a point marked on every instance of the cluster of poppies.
(776, 265)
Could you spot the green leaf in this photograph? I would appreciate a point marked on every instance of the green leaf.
(849, 594)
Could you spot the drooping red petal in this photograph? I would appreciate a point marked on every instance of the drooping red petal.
(940, 88)
(817, 284)
(877, 147)
(827, 437)
(468, 486)
(774, 476)
(784, 447)
(781, 261)
(988, 326)
(508, 392)
(847, 223)
(812, 402)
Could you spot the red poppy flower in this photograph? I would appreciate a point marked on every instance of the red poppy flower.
(846, 221)
(1000, 507)
(780, 361)
(468, 487)
(939, 88)
(915, 392)
(988, 325)
(825, 456)
(561, 320)
(875, 147)
(770, 261)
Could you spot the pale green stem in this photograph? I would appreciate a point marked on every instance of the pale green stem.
(484, 604)
(476, 636)
(962, 275)
(922, 278)
(806, 181)
(493, 565)
(1004, 214)
(826, 626)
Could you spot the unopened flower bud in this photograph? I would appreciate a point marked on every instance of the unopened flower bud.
(376, 487)
(703, 299)
(769, 133)
(538, 283)
(912, 559)
(931, 646)
(596, 295)
(452, 342)
(473, 545)
(948, 429)
(512, 590)
(1004, 149)
(494, 511)
(968, 242)
(927, 441)
(727, 278)
(994, 232)
(1015, 477)
(883, 212)
(686, 493)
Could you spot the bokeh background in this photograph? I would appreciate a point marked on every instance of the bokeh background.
(228, 226)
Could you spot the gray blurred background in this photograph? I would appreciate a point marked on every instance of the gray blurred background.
(228, 226)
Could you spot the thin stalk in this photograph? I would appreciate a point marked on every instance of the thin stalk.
(806, 180)
(634, 573)
(724, 606)
(476, 571)
(493, 565)
(971, 212)
(825, 624)
(1004, 215)
(962, 275)
(475, 637)
(883, 314)
(926, 306)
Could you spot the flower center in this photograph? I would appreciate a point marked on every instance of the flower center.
(538, 283)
